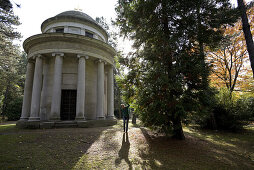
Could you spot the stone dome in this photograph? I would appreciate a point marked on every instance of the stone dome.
(77, 14)
(76, 19)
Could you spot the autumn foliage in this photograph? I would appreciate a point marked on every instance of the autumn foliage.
(230, 62)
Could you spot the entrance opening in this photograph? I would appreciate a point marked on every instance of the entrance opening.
(68, 104)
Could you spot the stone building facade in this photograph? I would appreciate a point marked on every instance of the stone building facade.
(69, 73)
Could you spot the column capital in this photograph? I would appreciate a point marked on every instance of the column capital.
(82, 56)
(31, 60)
(101, 61)
(37, 55)
(58, 54)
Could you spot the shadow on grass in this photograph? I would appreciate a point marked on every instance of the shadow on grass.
(45, 149)
(241, 140)
(164, 152)
(124, 151)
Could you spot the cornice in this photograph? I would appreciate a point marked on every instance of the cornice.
(66, 37)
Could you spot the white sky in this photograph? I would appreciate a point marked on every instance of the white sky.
(33, 12)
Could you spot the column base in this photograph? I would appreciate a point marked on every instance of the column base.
(47, 125)
(82, 124)
(111, 117)
(54, 119)
(22, 123)
(78, 119)
(33, 124)
(100, 118)
(35, 119)
(23, 119)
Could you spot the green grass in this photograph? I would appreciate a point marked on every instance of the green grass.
(240, 144)
(104, 148)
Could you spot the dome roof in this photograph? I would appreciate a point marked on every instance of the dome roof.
(76, 14)
(73, 16)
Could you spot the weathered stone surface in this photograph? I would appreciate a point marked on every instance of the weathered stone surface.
(21, 124)
(89, 77)
(66, 124)
(33, 124)
(100, 123)
(47, 125)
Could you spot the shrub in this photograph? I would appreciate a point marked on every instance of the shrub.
(228, 119)
(229, 112)
(14, 109)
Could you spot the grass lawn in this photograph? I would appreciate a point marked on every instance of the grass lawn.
(110, 148)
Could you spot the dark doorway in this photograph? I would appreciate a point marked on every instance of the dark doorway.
(68, 104)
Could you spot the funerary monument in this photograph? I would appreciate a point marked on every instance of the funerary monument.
(69, 76)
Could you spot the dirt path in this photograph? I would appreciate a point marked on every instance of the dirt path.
(114, 149)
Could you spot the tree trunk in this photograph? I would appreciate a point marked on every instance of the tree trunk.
(177, 128)
(247, 33)
(134, 117)
(5, 100)
(213, 123)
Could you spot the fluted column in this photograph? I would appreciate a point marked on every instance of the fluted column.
(27, 91)
(80, 106)
(36, 93)
(110, 88)
(44, 92)
(57, 89)
(100, 90)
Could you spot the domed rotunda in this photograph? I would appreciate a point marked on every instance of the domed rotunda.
(69, 74)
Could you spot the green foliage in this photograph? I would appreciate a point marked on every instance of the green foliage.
(245, 107)
(167, 76)
(13, 111)
(112, 34)
(12, 62)
(230, 112)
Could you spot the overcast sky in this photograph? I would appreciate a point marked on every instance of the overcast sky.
(33, 12)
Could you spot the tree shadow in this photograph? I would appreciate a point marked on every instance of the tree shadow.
(124, 151)
(162, 152)
(240, 140)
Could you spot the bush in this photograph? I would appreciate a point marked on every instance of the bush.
(245, 106)
(14, 109)
(229, 112)
(228, 119)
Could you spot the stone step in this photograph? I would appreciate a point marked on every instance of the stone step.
(66, 124)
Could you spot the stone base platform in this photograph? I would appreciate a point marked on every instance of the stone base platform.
(65, 124)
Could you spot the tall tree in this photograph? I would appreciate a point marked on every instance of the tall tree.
(169, 37)
(229, 61)
(10, 56)
(247, 32)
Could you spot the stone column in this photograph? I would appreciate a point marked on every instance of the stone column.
(36, 93)
(110, 88)
(27, 91)
(100, 90)
(80, 107)
(44, 91)
(57, 89)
